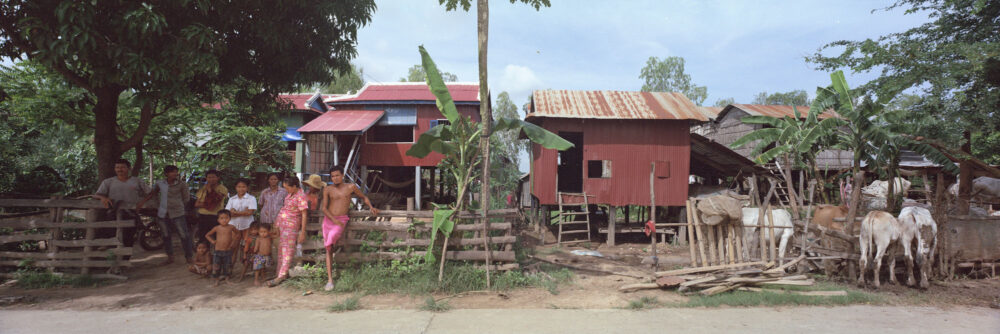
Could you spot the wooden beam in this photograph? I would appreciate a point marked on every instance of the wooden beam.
(53, 203)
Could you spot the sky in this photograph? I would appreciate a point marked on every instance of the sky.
(735, 48)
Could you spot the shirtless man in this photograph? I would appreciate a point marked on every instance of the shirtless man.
(336, 202)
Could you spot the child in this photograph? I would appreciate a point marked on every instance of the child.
(242, 207)
(173, 192)
(223, 237)
(202, 261)
(262, 253)
(249, 243)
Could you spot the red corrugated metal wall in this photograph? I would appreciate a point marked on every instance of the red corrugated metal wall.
(631, 145)
(394, 154)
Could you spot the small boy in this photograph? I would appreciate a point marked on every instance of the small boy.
(262, 253)
(202, 261)
(223, 237)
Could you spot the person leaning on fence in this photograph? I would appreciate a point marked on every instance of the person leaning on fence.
(291, 224)
(336, 203)
(170, 213)
(120, 194)
(210, 199)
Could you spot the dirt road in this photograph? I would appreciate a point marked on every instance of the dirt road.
(852, 319)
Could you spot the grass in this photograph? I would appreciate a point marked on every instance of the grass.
(28, 279)
(432, 305)
(643, 303)
(384, 277)
(350, 304)
(780, 296)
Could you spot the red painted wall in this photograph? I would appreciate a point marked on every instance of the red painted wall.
(394, 154)
(631, 145)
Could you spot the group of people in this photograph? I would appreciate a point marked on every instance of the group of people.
(231, 229)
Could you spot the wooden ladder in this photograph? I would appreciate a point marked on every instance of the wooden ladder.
(781, 188)
(572, 218)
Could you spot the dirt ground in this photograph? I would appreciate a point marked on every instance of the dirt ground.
(153, 286)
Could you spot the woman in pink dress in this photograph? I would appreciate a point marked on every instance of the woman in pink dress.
(291, 223)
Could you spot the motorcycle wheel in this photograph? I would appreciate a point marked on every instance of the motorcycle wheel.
(151, 237)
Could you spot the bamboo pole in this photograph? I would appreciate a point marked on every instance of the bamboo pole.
(690, 233)
(741, 257)
(805, 232)
(770, 230)
(652, 213)
(730, 243)
(765, 206)
(712, 245)
(698, 232)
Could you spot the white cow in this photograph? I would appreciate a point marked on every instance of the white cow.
(921, 224)
(984, 189)
(781, 219)
(881, 231)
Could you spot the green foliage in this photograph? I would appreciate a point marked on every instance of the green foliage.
(432, 305)
(780, 296)
(345, 81)
(796, 97)
(951, 61)
(246, 149)
(29, 278)
(417, 74)
(643, 303)
(667, 75)
(724, 102)
(466, 4)
(352, 303)
(505, 149)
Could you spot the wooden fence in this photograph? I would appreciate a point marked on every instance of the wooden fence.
(46, 239)
(398, 234)
(726, 244)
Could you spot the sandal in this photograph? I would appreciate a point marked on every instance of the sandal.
(275, 282)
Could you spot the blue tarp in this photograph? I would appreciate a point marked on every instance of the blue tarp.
(291, 134)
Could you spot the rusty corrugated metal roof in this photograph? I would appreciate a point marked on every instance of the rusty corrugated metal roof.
(711, 112)
(614, 105)
(777, 111)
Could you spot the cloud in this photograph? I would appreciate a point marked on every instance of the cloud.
(519, 81)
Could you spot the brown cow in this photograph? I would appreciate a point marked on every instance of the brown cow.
(825, 213)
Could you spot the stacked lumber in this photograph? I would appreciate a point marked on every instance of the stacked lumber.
(717, 279)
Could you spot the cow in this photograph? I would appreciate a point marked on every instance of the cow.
(919, 222)
(825, 213)
(880, 231)
(781, 219)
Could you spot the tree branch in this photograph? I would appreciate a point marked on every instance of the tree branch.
(145, 118)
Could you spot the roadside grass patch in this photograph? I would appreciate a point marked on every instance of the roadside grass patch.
(350, 304)
(432, 305)
(643, 303)
(781, 295)
(422, 279)
(30, 279)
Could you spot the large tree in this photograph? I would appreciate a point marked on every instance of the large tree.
(953, 61)
(345, 82)
(792, 98)
(167, 53)
(667, 75)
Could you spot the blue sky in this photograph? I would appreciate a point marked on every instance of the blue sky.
(735, 48)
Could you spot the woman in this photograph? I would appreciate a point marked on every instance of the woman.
(315, 190)
(271, 199)
(291, 223)
(210, 199)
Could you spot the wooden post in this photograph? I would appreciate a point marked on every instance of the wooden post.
(730, 243)
(652, 212)
(740, 255)
(690, 233)
(770, 228)
(712, 245)
(416, 189)
(852, 212)
(612, 211)
(764, 208)
(433, 172)
(805, 232)
(940, 216)
(701, 237)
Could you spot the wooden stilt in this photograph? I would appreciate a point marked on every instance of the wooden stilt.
(690, 233)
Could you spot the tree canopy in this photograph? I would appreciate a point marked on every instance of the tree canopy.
(417, 74)
(667, 75)
(345, 81)
(165, 53)
(792, 98)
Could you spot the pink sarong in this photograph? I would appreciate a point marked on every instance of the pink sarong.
(333, 230)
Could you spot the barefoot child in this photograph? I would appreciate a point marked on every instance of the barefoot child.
(202, 263)
(223, 237)
(262, 253)
(242, 206)
(336, 202)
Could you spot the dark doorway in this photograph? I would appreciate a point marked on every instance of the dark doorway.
(571, 164)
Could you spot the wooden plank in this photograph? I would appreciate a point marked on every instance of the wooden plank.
(66, 255)
(52, 203)
(318, 244)
(24, 237)
(48, 223)
(68, 264)
(738, 229)
(712, 246)
(730, 243)
(686, 271)
(498, 256)
(790, 282)
(83, 243)
(701, 237)
(500, 213)
(391, 226)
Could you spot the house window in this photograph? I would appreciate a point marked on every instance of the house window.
(599, 169)
(391, 134)
(436, 122)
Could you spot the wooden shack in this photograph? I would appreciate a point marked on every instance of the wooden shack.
(368, 133)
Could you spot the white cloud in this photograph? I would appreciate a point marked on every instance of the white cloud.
(519, 81)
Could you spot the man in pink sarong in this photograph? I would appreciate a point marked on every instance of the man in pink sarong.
(336, 202)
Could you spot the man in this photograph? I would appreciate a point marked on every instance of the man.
(336, 203)
(120, 194)
(170, 214)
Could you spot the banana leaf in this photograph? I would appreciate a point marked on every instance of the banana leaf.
(535, 133)
(442, 222)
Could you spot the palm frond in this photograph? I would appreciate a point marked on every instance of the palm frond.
(766, 136)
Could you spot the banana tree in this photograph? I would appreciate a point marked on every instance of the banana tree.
(459, 142)
(793, 140)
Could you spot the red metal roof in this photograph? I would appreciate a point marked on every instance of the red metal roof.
(408, 91)
(343, 121)
(614, 105)
(777, 111)
(711, 112)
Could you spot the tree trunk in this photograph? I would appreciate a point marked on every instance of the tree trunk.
(792, 197)
(139, 160)
(106, 143)
(965, 178)
(483, 15)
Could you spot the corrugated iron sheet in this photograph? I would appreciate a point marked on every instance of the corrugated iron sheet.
(711, 112)
(777, 111)
(631, 146)
(343, 121)
(408, 91)
(394, 154)
(614, 105)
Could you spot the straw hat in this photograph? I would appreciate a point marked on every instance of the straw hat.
(315, 181)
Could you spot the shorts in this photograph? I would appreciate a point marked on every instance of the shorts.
(332, 231)
(201, 270)
(261, 262)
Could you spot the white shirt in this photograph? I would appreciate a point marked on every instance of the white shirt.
(248, 202)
